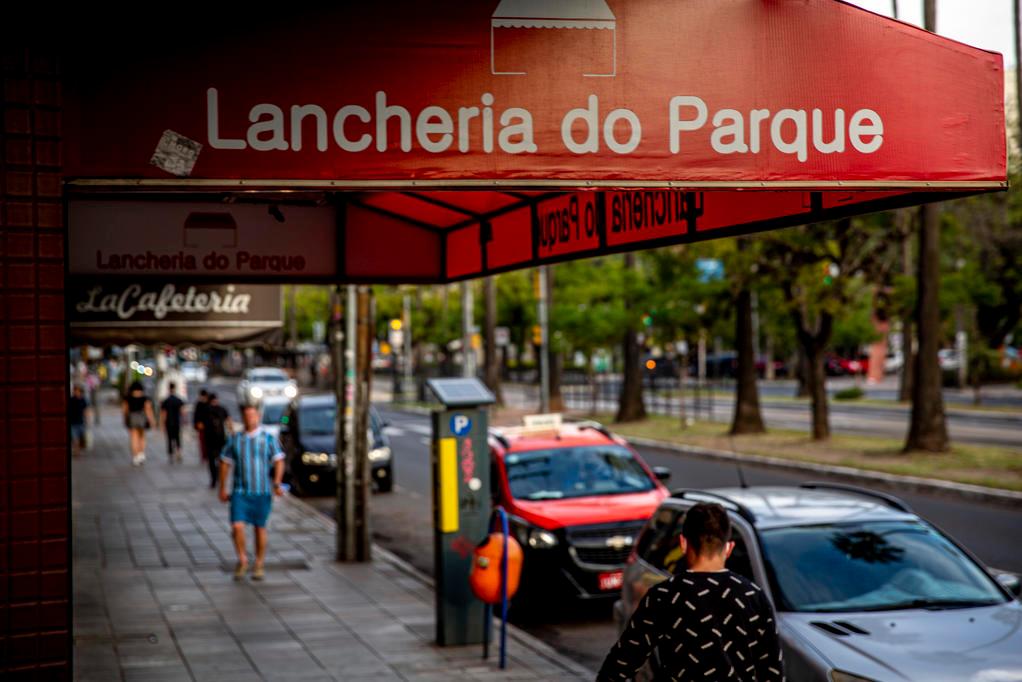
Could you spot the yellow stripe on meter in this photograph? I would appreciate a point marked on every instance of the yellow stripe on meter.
(448, 485)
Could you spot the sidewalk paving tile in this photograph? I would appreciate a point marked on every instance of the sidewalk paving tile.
(155, 599)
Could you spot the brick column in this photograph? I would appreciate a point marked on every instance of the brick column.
(35, 543)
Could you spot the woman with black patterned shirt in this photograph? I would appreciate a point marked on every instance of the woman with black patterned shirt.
(706, 623)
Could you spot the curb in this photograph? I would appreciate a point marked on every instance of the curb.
(976, 493)
(524, 639)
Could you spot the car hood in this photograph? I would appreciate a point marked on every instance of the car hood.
(319, 442)
(575, 511)
(982, 644)
(325, 442)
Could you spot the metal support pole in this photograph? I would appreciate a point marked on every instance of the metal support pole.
(406, 325)
(360, 424)
(340, 369)
(544, 347)
(468, 364)
(346, 530)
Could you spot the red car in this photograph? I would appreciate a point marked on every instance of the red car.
(577, 497)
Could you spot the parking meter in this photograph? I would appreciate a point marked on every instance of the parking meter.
(461, 504)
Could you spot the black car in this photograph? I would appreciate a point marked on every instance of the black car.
(307, 435)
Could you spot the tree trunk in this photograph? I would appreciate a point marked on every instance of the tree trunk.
(630, 403)
(908, 354)
(928, 428)
(492, 359)
(908, 359)
(801, 374)
(747, 417)
(817, 384)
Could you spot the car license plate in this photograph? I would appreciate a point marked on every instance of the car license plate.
(610, 581)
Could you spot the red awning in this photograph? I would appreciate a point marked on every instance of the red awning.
(461, 140)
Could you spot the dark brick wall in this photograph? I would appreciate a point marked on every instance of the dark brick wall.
(35, 542)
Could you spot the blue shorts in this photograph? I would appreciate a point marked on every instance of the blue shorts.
(78, 433)
(252, 509)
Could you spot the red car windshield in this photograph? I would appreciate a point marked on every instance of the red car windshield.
(575, 472)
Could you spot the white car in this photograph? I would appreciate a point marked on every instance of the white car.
(949, 359)
(893, 363)
(260, 383)
(193, 371)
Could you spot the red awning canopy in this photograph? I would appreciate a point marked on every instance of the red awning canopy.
(453, 142)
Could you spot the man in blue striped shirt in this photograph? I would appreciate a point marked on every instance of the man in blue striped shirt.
(255, 456)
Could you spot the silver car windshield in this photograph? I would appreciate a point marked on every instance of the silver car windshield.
(268, 377)
(872, 566)
(574, 472)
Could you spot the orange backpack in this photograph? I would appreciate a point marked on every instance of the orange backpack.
(484, 577)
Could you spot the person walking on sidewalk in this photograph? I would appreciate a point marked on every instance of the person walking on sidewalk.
(170, 417)
(138, 418)
(199, 420)
(77, 418)
(216, 425)
(258, 464)
(706, 623)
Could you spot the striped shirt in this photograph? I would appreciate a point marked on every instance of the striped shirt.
(252, 456)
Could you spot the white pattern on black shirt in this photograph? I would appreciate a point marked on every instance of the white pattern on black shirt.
(703, 626)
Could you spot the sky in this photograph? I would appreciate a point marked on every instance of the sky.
(981, 23)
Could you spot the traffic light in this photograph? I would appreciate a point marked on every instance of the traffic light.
(647, 320)
(395, 324)
(537, 335)
(830, 271)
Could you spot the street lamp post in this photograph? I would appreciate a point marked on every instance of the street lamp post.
(544, 347)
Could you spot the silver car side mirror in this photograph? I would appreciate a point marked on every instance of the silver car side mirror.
(1010, 582)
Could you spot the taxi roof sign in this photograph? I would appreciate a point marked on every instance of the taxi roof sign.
(542, 422)
(461, 392)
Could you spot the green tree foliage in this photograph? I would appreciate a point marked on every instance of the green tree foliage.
(312, 301)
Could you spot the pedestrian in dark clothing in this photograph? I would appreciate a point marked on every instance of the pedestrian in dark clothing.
(216, 426)
(77, 411)
(706, 623)
(170, 416)
(199, 420)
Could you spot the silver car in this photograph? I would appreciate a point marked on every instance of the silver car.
(865, 590)
(260, 383)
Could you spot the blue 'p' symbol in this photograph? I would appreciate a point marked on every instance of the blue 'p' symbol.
(460, 424)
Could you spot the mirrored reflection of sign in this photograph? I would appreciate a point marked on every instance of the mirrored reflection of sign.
(212, 240)
(567, 223)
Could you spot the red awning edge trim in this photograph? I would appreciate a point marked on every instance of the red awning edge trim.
(561, 185)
